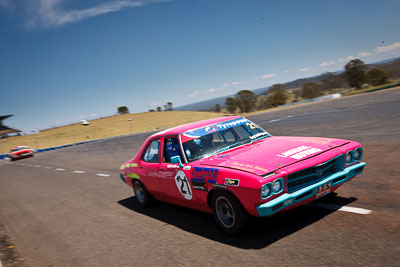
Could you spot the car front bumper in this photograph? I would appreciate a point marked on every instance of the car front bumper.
(309, 193)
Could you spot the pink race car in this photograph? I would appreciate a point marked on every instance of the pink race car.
(19, 152)
(232, 167)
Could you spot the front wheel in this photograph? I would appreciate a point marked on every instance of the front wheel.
(141, 193)
(228, 213)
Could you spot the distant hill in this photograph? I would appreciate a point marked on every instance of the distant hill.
(208, 104)
(300, 82)
(384, 61)
(391, 66)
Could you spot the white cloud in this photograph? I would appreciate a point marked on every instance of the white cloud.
(328, 63)
(249, 82)
(305, 69)
(364, 54)
(195, 93)
(93, 114)
(285, 71)
(270, 75)
(345, 59)
(50, 13)
(221, 87)
(156, 103)
(387, 48)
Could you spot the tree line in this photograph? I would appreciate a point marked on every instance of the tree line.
(356, 75)
(167, 107)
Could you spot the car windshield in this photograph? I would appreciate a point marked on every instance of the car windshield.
(217, 138)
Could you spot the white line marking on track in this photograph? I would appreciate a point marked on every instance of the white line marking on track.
(60, 169)
(103, 175)
(274, 120)
(340, 208)
(37, 166)
(79, 171)
(48, 168)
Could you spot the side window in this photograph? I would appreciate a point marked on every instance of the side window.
(152, 152)
(217, 139)
(243, 131)
(171, 148)
(229, 136)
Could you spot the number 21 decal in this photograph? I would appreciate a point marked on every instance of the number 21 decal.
(183, 185)
(252, 125)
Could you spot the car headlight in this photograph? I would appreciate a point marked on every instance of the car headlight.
(349, 157)
(357, 154)
(265, 190)
(277, 185)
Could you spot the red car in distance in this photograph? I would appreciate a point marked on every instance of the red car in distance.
(19, 152)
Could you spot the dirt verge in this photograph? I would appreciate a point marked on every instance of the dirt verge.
(8, 255)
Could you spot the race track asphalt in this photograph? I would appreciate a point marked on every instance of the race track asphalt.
(68, 207)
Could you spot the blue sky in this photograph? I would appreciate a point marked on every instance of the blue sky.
(66, 60)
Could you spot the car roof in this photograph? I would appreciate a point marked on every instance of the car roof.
(17, 147)
(193, 125)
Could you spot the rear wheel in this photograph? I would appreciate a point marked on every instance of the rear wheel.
(228, 213)
(142, 195)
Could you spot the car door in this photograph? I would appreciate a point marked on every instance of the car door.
(148, 168)
(174, 180)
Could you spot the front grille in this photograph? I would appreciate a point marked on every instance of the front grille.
(312, 175)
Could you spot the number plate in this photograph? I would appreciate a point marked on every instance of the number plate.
(288, 202)
(323, 190)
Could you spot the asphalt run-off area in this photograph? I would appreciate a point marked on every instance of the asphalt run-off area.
(68, 207)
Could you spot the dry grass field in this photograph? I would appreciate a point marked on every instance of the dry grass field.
(124, 124)
(106, 127)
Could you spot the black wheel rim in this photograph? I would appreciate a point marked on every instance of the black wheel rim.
(225, 212)
(139, 192)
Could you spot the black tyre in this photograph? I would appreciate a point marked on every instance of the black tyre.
(142, 195)
(228, 213)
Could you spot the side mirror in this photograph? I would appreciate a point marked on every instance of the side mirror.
(177, 159)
